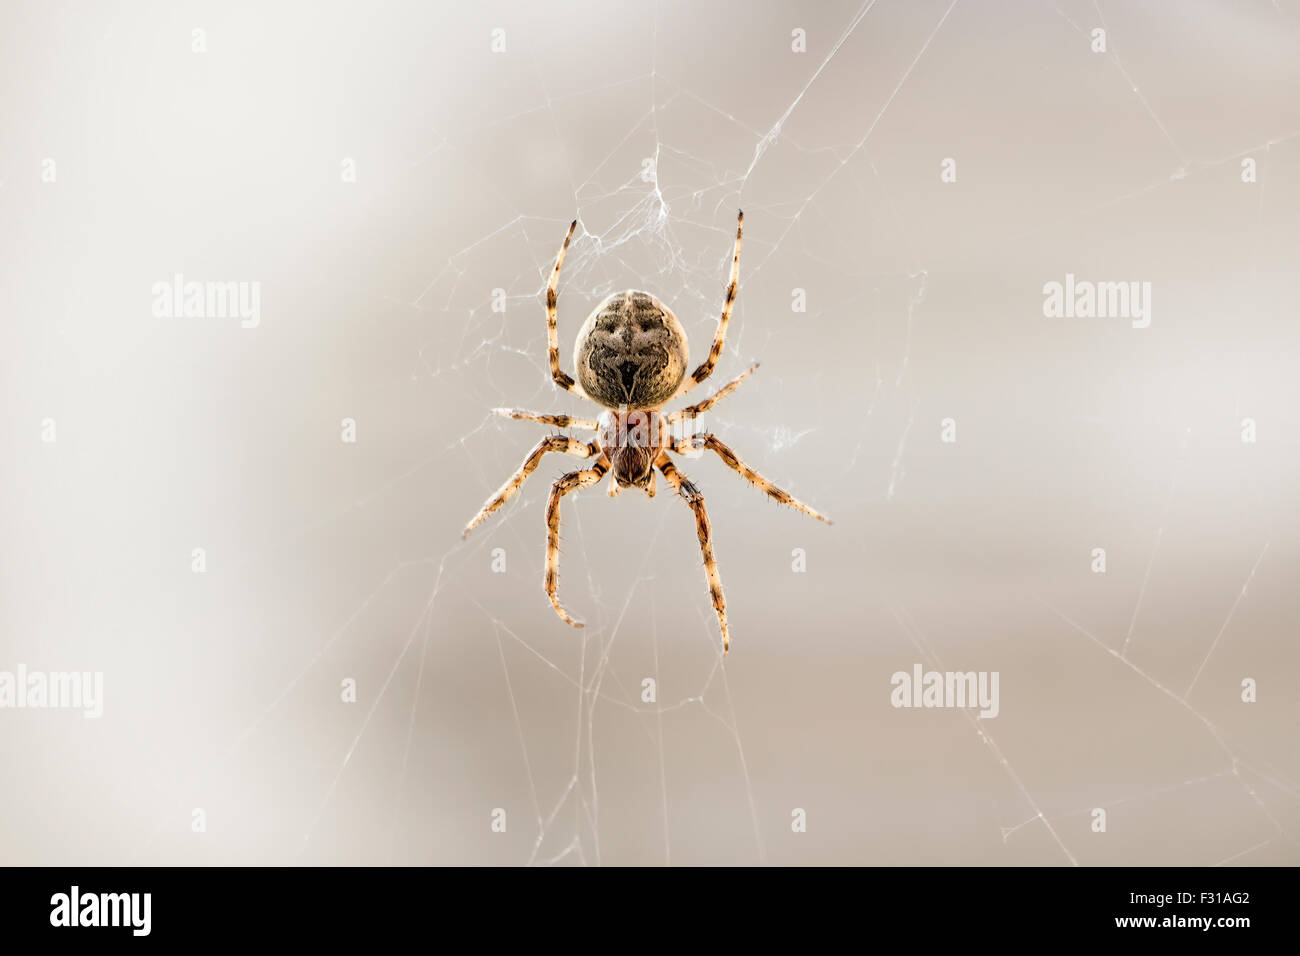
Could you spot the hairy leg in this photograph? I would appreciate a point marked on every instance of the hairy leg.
(691, 495)
(559, 421)
(698, 409)
(705, 440)
(552, 334)
(563, 485)
(715, 351)
(552, 443)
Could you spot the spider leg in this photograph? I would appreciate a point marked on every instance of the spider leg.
(561, 379)
(559, 421)
(563, 485)
(695, 411)
(556, 443)
(691, 495)
(715, 352)
(704, 440)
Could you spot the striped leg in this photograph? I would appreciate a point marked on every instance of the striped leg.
(695, 411)
(705, 440)
(557, 443)
(559, 421)
(715, 352)
(691, 495)
(552, 334)
(563, 485)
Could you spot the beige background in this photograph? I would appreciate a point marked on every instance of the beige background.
(329, 561)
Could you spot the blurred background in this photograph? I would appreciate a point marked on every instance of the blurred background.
(397, 178)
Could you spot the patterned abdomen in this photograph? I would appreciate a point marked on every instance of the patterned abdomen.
(631, 352)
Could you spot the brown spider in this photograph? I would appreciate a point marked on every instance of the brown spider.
(631, 358)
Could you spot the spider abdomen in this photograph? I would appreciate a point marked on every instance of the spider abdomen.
(631, 352)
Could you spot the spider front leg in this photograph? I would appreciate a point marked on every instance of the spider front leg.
(691, 495)
(560, 378)
(684, 446)
(556, 443)
(715, 351)
(563, 485)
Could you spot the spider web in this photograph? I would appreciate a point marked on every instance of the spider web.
(659, 209)
(1119, 689)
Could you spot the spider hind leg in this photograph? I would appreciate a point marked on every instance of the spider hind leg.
(695, 500)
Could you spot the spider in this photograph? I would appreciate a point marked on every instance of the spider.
(631, 358)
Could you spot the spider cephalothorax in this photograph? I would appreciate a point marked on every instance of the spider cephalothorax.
(632, 441)
(631, 358)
